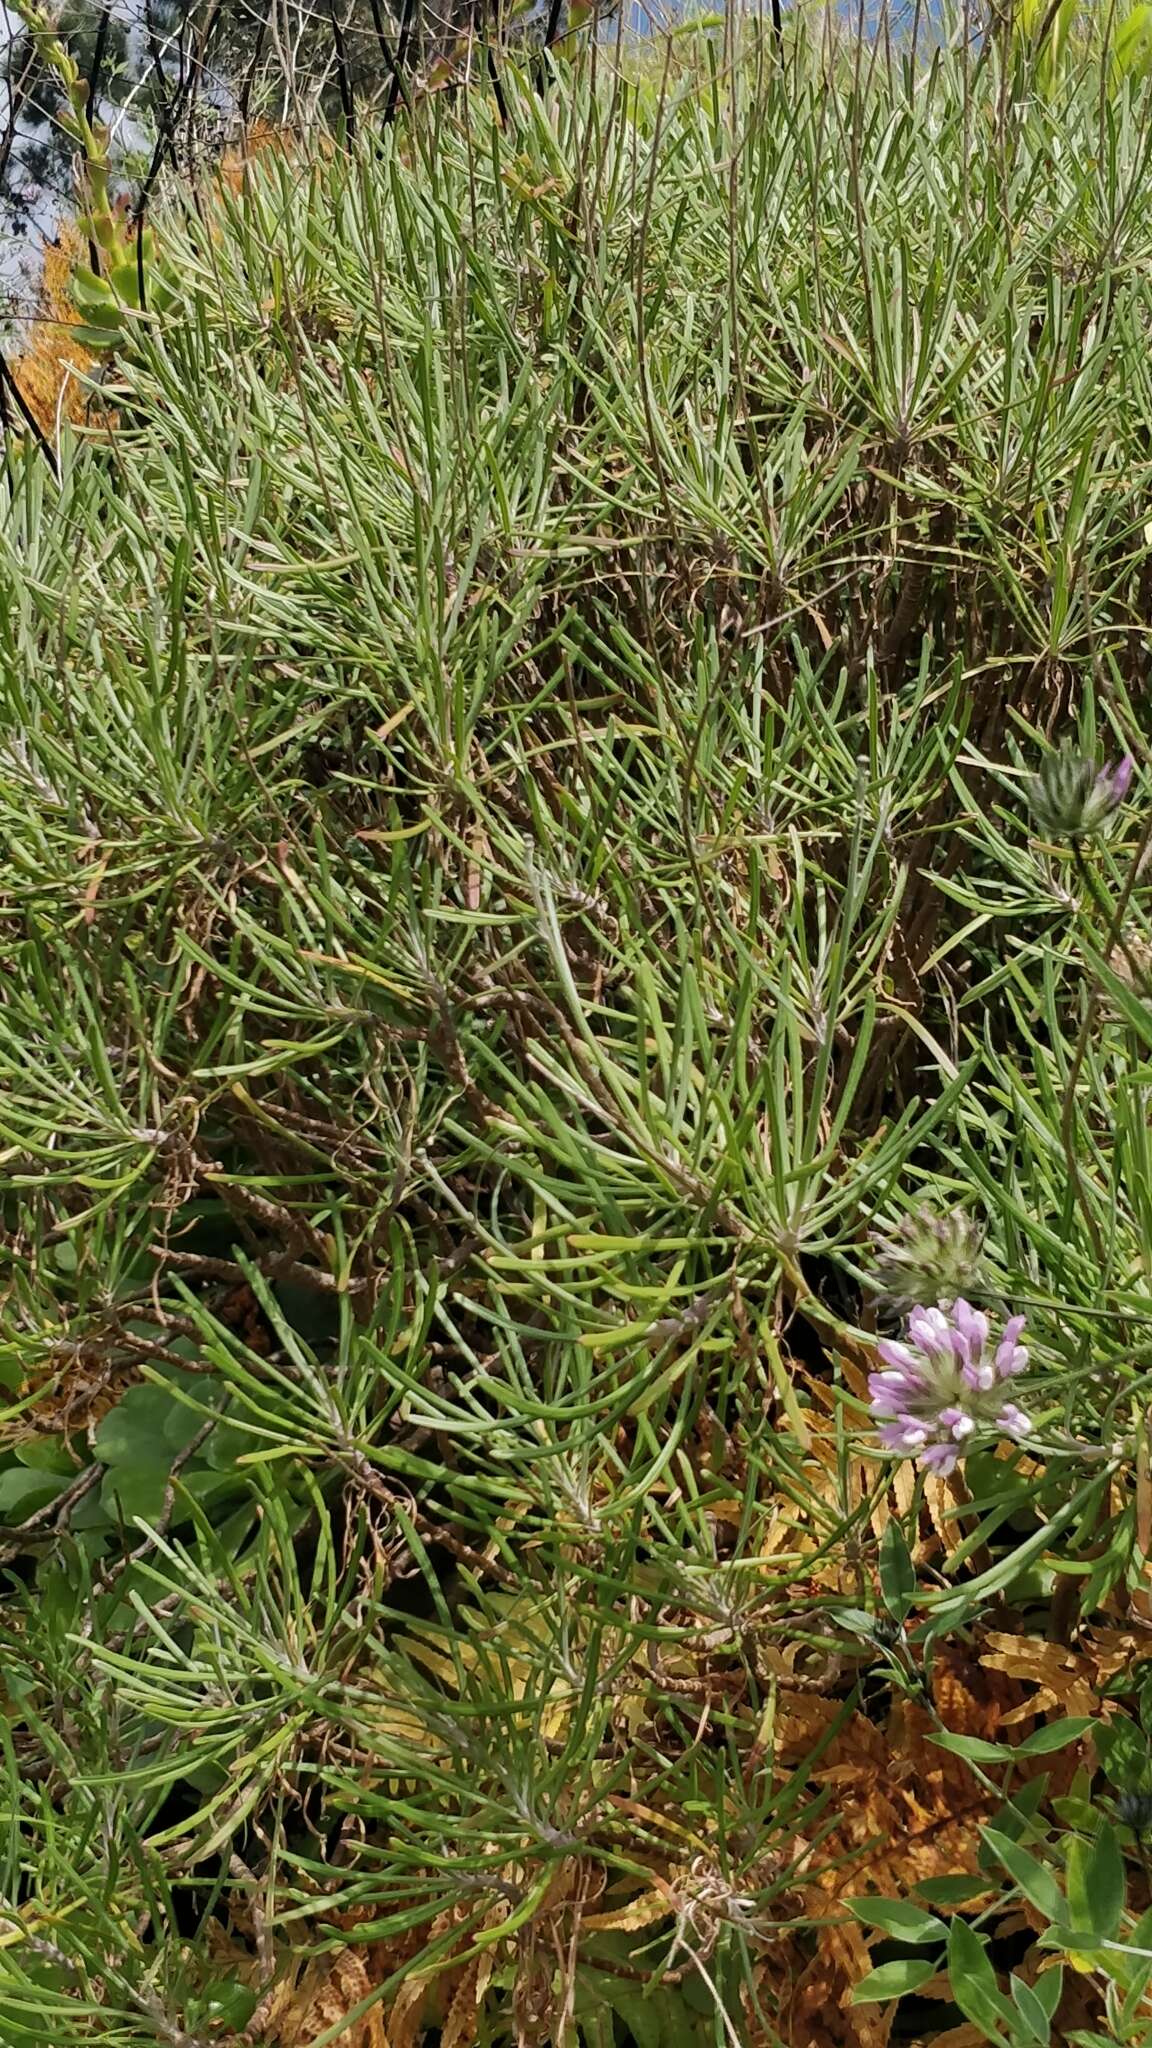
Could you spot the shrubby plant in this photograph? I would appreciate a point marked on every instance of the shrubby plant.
(531, 954)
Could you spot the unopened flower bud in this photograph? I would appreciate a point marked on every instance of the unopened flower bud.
(929, 1256)
(1072, 796)
(1134, 1810)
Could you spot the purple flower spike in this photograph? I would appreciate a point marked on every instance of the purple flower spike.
(945, 1385)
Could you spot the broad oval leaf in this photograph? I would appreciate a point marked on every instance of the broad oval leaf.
(1057, 1735)
(897, 1572)
(1034, 1879)
(900, 1918)
(973, 1982)
(892, 1980)
(1096, 1884)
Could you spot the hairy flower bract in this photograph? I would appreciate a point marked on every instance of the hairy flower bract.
(1072, 796)
(928, 1256)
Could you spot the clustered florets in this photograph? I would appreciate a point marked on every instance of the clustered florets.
(943, 1385)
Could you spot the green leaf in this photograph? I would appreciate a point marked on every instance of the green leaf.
(1015, 1818)
(228, 2004)
(1048, 1988)
(1037, 2023)
(1045, 1740)
(951, 1891)
(1031, 1876)
(47, 1454)
(1075, 1941)
(226, 1446)
(11, 1375)
(1125, 1754)
(96, 338)
(124, 280)
(1128, 1965)
(23, 1491)
(1132, 42)
(860, 1623)
(131, 1491)
(1097, 1887)
(1080, 1815)
(92, 295)
(147, 1426)
(900, 1918)
(974, 1747)
(1057, 1735)
(897, 1572)
(973, 1982)
(209, 1487)
(892, 1980)
(162, 293)
(659, 2019)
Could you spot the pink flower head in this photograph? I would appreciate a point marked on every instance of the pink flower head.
(944, 1385)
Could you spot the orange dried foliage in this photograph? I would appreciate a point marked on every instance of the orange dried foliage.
(1067, 1680)
(907, 1811)
(1111, 1650)
(258, 139)
(298, 2010)
(818, 2012)
(904, 1810)
(1062, 1677)
(52, 371)
(899, 1810)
